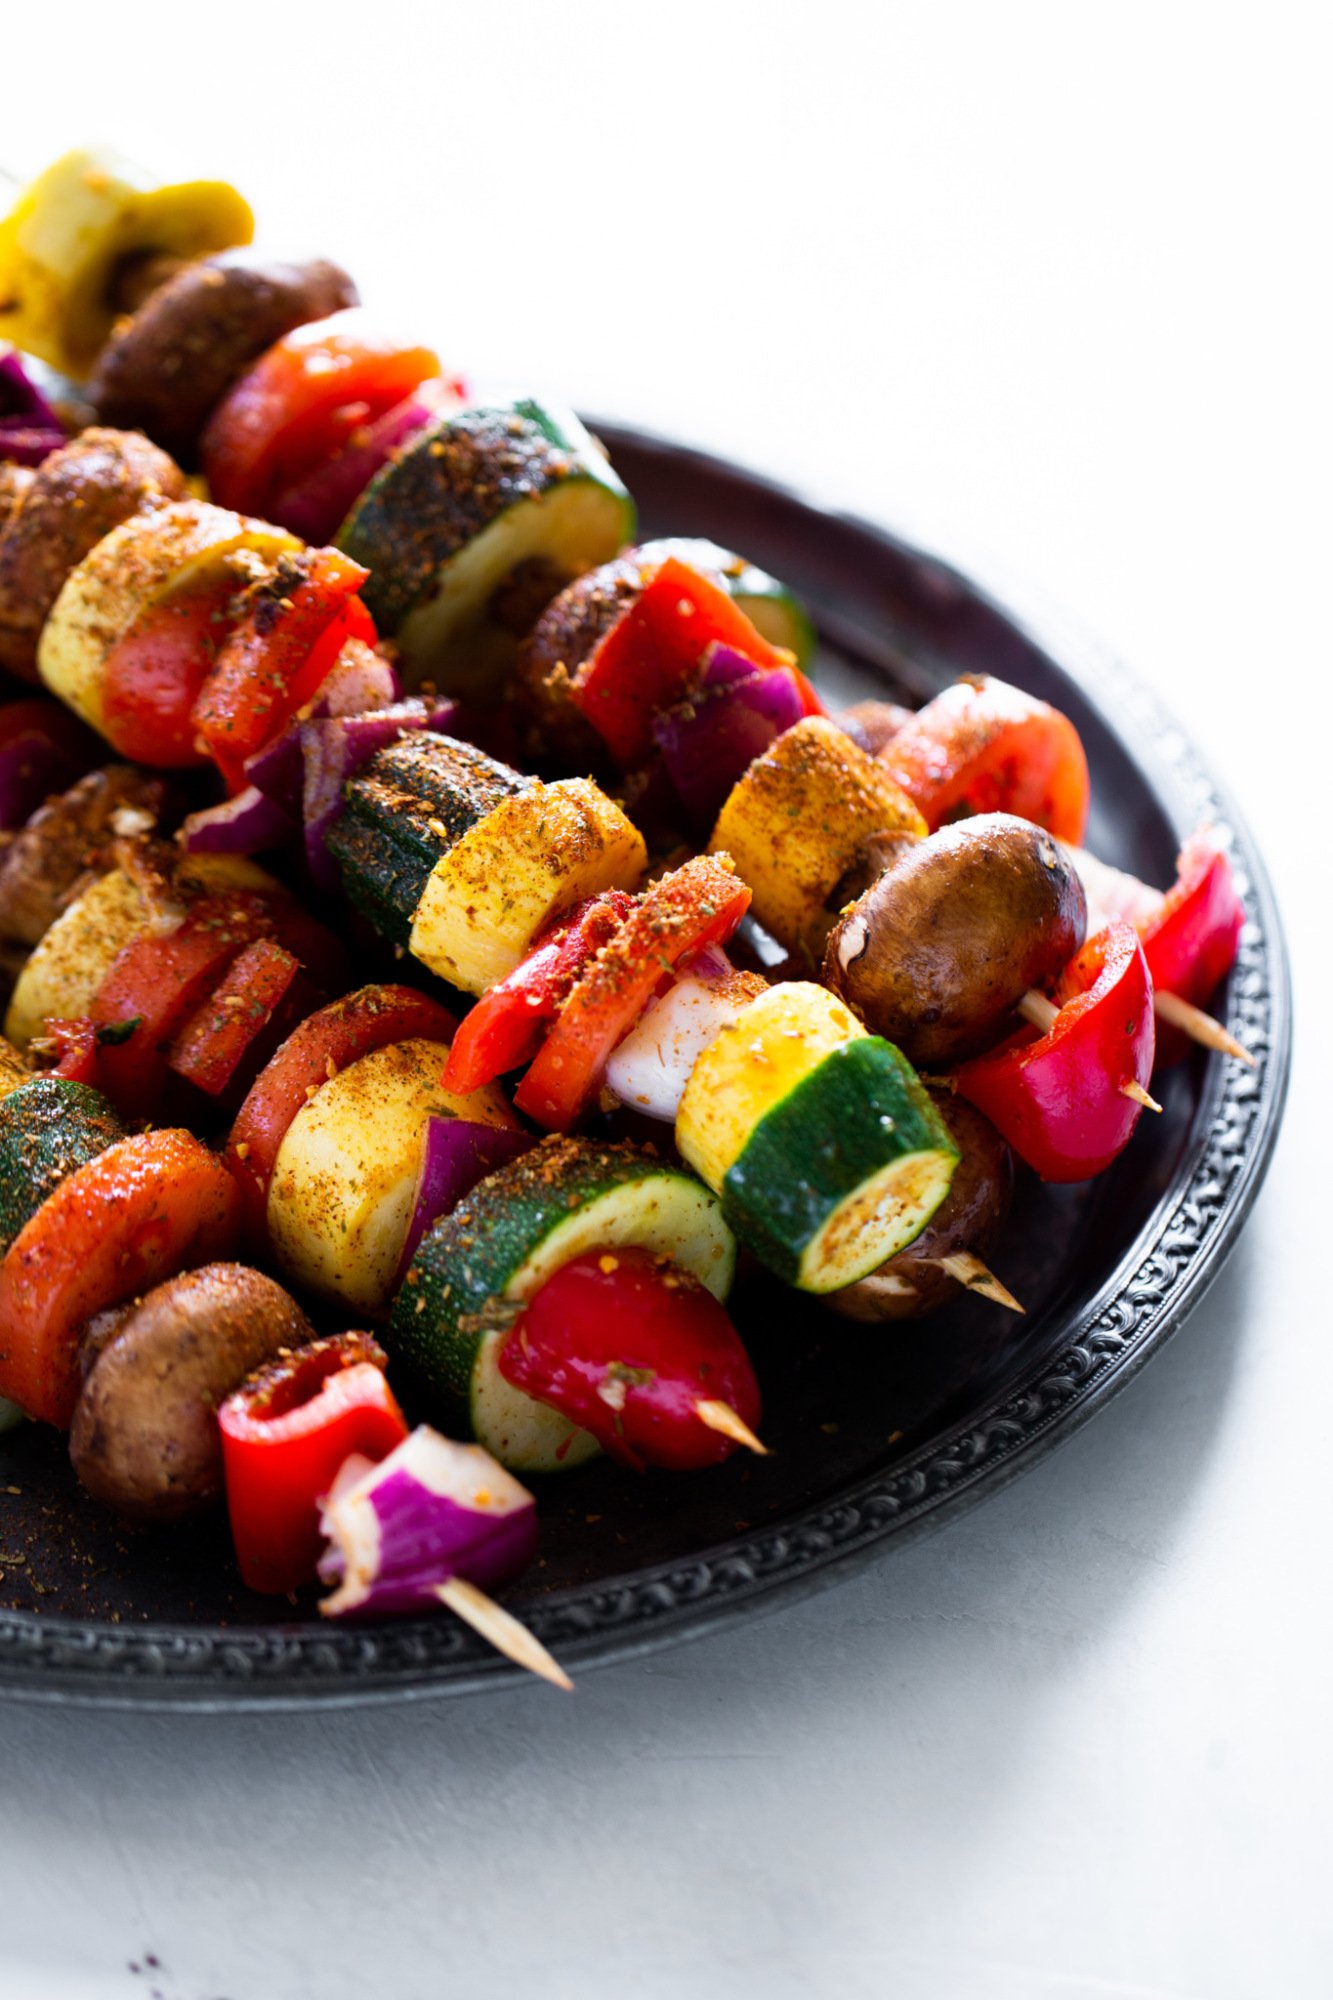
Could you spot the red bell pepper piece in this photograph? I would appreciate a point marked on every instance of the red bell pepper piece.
(158, 980)
(285, 1433)
(627, 1346)
(1057, 1097)
(75, 1043)
(982, 746)
(1191, 943)
(505, 1028)
(698, 904)
(290, 631)
(652, 655)
(217, 1038)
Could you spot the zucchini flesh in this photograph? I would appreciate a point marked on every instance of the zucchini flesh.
(474, 499)
(515, 1230)
(533, 857)
(346, 1175)
(411, 804)
(844, 1172)
(49, 1127)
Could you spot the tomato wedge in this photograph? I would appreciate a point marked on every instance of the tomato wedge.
(983, 746)
(152, 677)
(651, 656)
(505, 1028)
(366, 1020)
(700, 903)
(302, 402)
(277, 656)
(148, 1207)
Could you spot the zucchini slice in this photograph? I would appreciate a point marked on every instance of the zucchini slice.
(499, 1246)
(774, 610)
(345, 1178)
(473, 528)
(533, 857)
(49, 1127)
(407, 809)
(821, 1140)
(794, 823)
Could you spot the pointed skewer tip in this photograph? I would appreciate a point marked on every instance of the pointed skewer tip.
(970, 1272)
(1201, 1027)
(1138, 1095)
(502, 1630)
(722, 1418)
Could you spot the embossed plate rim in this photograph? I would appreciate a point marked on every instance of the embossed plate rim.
(1158, 1280)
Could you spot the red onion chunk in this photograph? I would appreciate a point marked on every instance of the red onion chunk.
(248, 824)
(21, 397)
(456, 1154)
(724, 666)
(710, 742)
(333, 749)
(430, 1511)
(316, 508)
(23, 442)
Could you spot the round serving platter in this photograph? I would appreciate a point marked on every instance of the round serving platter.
(876, 1433)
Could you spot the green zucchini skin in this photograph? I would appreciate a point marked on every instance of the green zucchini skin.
(48, 1129)
(826, 1139)
(460, 1294)
(451, 483)
(413, 801)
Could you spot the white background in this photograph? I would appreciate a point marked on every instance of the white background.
(1047, 284)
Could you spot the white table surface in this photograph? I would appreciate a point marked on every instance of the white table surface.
(1048, 285)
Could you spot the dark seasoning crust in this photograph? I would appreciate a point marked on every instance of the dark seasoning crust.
(473, 467)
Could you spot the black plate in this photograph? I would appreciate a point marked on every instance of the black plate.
(876, 1431)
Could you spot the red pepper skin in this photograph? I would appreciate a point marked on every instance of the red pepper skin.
(76, 1043)
(1191, 943)
(627, 1345)
(152, 677)
(1056, 1097)
(982, 746)
(505, 1028)
(651, 656)
(215, 1041)
(697, 904)
(285, 1433)
(278, 656)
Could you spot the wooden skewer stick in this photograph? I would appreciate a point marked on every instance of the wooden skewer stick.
(501, 1630)
(1041, 1012)
(721, 1417)
(1200, 1027)
(978, 1277)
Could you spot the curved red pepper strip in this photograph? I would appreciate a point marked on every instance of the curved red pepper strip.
(285, 1433)
(1191, 943)
(1056, 1097)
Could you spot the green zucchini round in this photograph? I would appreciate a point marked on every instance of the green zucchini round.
(843, 1171)
(414, 800)
(48, 1129)
(500, 1245)
(473, 528)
